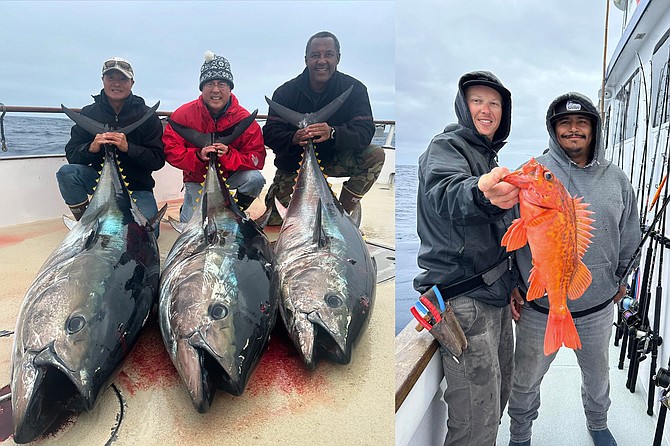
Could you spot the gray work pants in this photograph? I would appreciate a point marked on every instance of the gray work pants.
(531, 365)
(478, 387)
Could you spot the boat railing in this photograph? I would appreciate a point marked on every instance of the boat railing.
(381, 125)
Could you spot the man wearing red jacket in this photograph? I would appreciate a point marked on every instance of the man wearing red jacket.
(216, 110)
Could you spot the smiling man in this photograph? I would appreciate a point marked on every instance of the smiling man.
(343, 142)
(215, 111)
(576, 156)
(460, 253)
(139, 153)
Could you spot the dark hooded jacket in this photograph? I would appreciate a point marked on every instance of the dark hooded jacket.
(353, 123)
(460, 230)
(609, 193)
(145, 148)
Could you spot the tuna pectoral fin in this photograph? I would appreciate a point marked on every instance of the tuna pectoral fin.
(319, 237)
(516, 236)
(580, 281)
(561, 330)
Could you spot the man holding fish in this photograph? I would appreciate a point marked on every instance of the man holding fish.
(603, 239)
(342, 143)
(463, 263)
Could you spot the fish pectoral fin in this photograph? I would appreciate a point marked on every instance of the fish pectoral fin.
(319, 237)
(580, 281)
(516, 236)
(537, 288)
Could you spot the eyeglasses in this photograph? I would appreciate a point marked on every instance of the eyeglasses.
(220, 85)
(118, 64)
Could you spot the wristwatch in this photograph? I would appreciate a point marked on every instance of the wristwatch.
(332, 133)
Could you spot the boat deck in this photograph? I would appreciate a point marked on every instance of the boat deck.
(284, 402)
(561, 420)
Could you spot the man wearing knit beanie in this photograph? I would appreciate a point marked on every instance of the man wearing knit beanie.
(214, 111)
(343, 142)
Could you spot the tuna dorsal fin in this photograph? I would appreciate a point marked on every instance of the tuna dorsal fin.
(319, 237)
(156, 219)
(302, 120)
(516, 236)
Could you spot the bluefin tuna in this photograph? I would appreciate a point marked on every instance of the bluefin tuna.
(217, 306)
(327, 278)
(84, 310)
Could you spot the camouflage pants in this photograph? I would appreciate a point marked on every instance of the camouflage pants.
(362, 168)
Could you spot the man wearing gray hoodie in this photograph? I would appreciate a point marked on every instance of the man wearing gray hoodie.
(575, 156)
(460, 253)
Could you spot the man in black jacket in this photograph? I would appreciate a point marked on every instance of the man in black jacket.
(460, 252)
(140, 153)
(342, 143)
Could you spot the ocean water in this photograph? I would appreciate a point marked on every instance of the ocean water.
(35, 135)
(407, 243)
(38, 135)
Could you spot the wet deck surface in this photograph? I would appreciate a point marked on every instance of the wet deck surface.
(284, 403)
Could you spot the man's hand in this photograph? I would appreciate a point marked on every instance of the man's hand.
(620, 294)
(319, 132)
(515, 303)
(504, 195)
(219, 148)
(114, 138)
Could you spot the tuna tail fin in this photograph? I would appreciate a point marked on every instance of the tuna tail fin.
(302, 120)
(561, 330)
(516, 236)
(580, 281)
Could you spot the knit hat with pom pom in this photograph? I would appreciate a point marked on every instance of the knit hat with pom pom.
(215, 68)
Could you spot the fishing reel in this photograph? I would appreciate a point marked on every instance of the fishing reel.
(662, 379)
(630, 308)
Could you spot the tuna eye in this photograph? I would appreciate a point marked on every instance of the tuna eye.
(218, 311)
(75, 324)
(333, 301)
(548, 176)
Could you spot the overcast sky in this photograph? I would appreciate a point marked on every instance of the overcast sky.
(52, 52)
(539, 49)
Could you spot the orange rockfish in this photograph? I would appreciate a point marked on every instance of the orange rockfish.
(558, 229)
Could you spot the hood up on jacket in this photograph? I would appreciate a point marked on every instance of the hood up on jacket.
(597, 153)
(487, 79)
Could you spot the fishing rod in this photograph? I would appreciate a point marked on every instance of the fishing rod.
(644, 341)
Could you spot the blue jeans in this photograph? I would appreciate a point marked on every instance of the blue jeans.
(530, 366)
(247, 182)
(478, 387)
(76, 182)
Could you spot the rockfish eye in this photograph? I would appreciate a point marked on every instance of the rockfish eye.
(75, 324)
(333, 300)
(218, 311)
(548, 176)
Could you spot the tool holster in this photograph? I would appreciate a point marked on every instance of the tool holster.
(447, 331)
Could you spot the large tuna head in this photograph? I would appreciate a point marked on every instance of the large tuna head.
(68, 345)
(326, 313)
